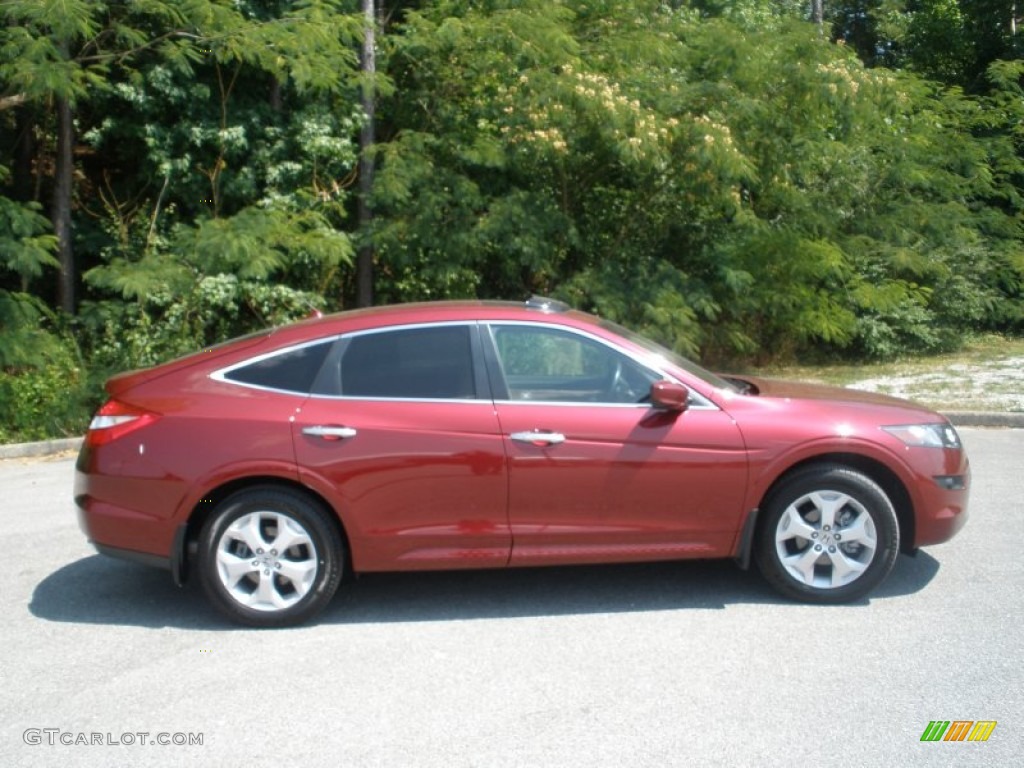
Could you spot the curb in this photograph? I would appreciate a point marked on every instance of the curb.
(959, 419)
(985, 419)
(42, 448)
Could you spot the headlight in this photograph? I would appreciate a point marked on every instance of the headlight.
(926, 435)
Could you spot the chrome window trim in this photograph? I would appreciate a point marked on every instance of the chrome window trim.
(407, 327)
(697, 400)
(470, 324)
(364, 399)
(221, 373)
(580, 404)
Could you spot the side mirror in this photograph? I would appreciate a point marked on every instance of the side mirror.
(669, 396)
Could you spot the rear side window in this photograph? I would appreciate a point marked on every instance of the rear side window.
(414, 363)
(290, 371)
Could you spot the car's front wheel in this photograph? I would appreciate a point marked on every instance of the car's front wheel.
(269, 557)
(829, 535)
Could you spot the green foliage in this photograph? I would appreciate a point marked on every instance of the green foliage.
(723, 176)
(255, 244)
(198, 109)
(217, 147)
(211, 282)
(43, 390)
(954, 41)
(54, 397)
(23, 339)
(726, 188)
(26, 247)
(65, 47)
(936, 40)
(26, 250)
(165, 325)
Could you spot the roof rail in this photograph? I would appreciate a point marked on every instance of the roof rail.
(545, 304)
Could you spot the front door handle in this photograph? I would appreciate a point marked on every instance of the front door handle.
(538, 437)
(329, 432)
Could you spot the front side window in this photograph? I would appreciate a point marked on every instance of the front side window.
(553, 365)
(433, 362)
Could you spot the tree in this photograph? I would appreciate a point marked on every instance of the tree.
(26, 249)
(741, 190)
(65, 56)
(364, 262)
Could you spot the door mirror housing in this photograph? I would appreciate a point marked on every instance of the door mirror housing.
(669, 396)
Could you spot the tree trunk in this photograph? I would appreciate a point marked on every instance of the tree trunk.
(23, 176)
(364, 259)
(61, 208)
(23, 182)
(818, 14)
(276, 99)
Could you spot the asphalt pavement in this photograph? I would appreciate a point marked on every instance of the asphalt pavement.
(668, 664)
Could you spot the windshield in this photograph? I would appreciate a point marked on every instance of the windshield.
(671, 357)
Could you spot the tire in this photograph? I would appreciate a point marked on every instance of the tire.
(269, 557)
(829, 534)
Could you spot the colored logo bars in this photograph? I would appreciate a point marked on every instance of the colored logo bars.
(958, 730)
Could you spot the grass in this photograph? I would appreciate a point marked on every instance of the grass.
(986, 375)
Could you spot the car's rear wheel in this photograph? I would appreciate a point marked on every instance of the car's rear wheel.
(269, 557)
(829, 535)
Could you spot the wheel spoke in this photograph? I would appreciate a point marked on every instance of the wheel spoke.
(793, 526)
(247, 529)
(233, 568)
(300, 573)
(844, 568)
(267, 596)
(828, 503)
(860, 531)
(289, 534)
(802, 564)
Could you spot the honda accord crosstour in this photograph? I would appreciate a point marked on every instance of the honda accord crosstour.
(461, 435)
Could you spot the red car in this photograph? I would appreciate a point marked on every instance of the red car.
(489, 435)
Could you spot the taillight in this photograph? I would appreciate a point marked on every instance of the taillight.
(116, 419)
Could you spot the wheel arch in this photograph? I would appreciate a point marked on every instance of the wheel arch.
(200, 513)
(875, 470)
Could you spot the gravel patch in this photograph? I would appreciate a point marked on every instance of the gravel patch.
(997, 385)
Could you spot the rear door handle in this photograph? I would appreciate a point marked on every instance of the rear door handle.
(329, 432)
(538, 437)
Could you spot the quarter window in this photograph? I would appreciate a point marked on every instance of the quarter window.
(290, 371)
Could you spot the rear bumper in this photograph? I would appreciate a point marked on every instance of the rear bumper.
(143, 558)
(174, 560)
(110, 527)
(126, 532)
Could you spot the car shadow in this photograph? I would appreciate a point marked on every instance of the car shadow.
(911, 574)
(99, 590)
